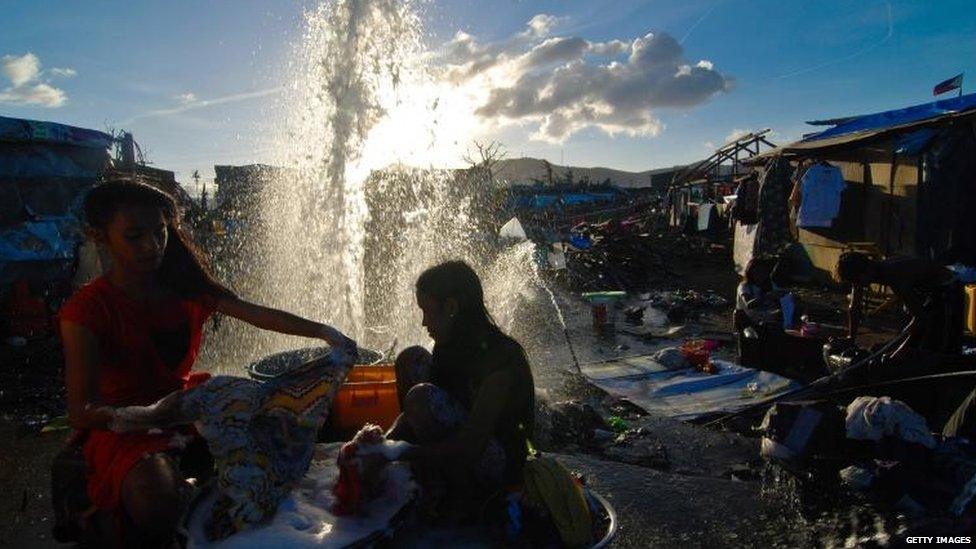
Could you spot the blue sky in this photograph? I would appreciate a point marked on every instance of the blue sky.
(197, 82)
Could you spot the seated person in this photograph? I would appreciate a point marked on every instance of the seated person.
(130, 337)
(756, 297)
(756, 310)
(929, 291)
(468, 408)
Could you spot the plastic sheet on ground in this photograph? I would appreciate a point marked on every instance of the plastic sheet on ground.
(305, 519)
(685, 393)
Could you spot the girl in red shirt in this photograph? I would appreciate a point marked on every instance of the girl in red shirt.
(131, 336)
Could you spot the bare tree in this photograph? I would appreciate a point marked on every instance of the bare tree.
(486, 157)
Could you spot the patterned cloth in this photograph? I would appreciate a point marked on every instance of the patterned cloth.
(774, 218)
(261, 435)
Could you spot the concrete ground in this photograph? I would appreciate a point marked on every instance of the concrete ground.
(25, 486)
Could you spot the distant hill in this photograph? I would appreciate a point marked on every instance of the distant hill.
(525, 170)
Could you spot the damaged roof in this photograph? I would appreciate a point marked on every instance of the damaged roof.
(19, 130)
(854, 129)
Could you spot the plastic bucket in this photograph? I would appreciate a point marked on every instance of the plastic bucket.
(369, 395)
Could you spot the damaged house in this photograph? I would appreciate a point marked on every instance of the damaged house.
(45, 168)
(897, 182)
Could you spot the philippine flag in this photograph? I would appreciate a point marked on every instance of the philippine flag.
(953, 83)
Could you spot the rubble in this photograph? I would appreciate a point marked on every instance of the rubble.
(633, 447)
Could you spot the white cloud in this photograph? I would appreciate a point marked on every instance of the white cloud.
(541, 24)
(24, 73)
(186, 98)
(735, 134)
(21, 70)
(564, 84)
(63, 73)
(43, 95)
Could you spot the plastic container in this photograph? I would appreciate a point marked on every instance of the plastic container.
(602, 309)
(369, 395)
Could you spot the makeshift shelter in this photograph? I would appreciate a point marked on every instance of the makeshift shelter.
(44, 170)
(697, 192)
(907, 181)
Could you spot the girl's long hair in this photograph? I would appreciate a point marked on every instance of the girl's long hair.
(184, 269)
(457, 280)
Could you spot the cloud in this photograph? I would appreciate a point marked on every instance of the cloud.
(186, 98)
(735, 134)
(21, 70)
(63, 73)
(43, 95)
(564, 84)
(24, 72)
(541, 24)
(202, 103)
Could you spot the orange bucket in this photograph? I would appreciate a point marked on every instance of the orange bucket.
(369, 395)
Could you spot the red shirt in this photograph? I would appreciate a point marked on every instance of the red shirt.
(147, 347)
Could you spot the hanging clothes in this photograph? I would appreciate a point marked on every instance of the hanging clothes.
(746, 201)
(774, 188)
(704, 216)
(820, 191)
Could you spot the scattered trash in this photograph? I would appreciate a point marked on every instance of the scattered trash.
(857, 477)
(634, 315)
(636, 447)
(671, 358)
(698, 353)
(574, 422)
(617, 424)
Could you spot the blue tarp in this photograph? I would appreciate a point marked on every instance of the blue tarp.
(686, 393)
(44, 240)
(541, 198)
(898, 117)
(24, 161)
(19, 130)
(44, 169)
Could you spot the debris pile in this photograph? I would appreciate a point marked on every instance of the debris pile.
(627, 254)
(879, 448)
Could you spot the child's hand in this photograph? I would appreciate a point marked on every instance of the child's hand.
(334, 337)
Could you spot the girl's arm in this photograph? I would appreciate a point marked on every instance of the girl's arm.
(470, 442)
(278, 321)
(81, 357)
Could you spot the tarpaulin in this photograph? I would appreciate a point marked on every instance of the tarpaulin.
(44, 240)
(686, 393)
(35, 131)
(32, 160)
(897, 117)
